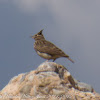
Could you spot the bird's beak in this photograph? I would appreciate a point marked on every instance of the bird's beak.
(32, 36)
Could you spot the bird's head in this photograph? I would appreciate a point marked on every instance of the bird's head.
(38, 36)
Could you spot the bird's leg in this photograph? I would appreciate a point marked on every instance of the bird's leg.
(54, 60)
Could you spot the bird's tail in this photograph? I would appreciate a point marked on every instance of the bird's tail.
(70, 60)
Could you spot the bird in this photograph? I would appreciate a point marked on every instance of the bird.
(47, 49)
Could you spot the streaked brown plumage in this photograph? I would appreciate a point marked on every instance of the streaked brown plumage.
(46, 49)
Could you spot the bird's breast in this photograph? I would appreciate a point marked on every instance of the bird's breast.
(44, 55)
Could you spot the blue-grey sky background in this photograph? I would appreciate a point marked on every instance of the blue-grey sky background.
(72, 25)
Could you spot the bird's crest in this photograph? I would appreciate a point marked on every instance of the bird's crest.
(40, 33)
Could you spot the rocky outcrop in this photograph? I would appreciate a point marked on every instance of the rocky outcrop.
(50, 81)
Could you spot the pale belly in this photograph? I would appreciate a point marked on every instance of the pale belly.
(44, 55)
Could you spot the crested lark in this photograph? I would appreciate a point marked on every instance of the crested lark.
(46, 49)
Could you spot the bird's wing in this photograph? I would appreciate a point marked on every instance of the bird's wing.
(49, 48)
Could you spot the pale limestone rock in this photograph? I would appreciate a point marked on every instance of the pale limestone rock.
(58, 92)
(50, 81)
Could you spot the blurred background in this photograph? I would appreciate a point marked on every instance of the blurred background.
(74, 26)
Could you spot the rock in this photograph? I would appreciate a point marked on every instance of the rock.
(50, 81)
(26, 89)
(58, 92)
(83, 86)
